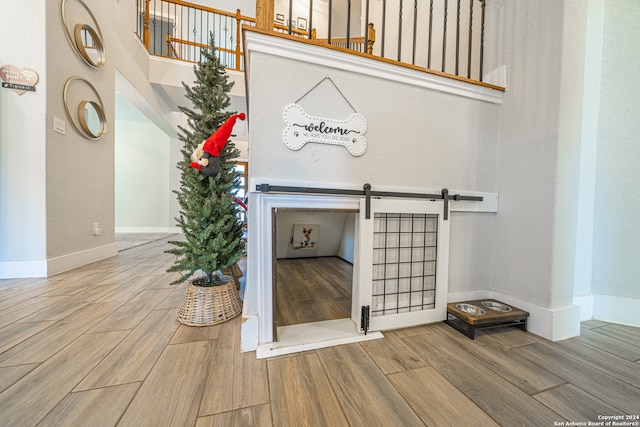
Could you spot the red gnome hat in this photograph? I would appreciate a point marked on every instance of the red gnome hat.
(216, 142)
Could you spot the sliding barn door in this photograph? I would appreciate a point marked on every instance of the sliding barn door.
(402, 263)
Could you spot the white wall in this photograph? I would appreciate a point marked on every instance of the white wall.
(142, 153)
(534, 244)
(616, 260)
(329, 233)
(565, 233)
(347, 243)
(23, 124)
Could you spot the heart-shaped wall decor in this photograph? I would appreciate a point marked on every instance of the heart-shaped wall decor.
(18, 76)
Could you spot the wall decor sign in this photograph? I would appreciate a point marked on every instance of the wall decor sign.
(21, 80)
(303, 128)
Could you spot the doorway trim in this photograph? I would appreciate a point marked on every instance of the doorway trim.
(261, 245)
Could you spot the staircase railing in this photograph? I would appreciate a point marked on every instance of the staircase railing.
(178, 30)
(442, 35)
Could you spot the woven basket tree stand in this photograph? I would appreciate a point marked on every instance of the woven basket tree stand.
(210, 305)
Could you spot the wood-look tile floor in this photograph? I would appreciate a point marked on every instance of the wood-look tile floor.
(100, 346)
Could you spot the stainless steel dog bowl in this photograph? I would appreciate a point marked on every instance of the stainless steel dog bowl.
(470, 309)
(496, 306)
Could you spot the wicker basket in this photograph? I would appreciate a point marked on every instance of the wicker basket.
(205, 306)
(234, 271)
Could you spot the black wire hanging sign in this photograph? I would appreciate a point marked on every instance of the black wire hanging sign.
(303, 128)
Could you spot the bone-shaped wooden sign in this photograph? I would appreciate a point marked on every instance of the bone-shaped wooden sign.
(302, 128)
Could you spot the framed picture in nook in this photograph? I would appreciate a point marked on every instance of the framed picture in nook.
(305, 236)
(293, 23)
(280, 18)
(302, 23)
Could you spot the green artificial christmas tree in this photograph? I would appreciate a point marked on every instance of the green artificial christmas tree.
(208, 214)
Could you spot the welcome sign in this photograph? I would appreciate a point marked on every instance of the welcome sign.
(302, 128)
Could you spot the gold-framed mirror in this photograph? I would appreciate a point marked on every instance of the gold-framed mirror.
(89, 119)
(89, 45)
(92, 119)
(87, 40)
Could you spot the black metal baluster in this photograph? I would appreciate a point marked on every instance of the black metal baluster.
(483, 3)
(161, 27)
(458, 37)
(430, 33)
(470, 39)
(384, 22)
(415, 29)
(444, 35)
(310, 25)
(400, 30)
(366, 29)
(201, 35)
(348, 24)
(330, 19)
(290, 22)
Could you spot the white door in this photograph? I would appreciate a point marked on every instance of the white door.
(402, 257)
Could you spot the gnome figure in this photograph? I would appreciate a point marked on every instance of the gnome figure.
(206, 156)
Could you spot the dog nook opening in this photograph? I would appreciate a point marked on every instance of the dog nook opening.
(313, 265)
(312, 240)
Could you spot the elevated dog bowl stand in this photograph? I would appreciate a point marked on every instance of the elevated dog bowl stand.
(467, 316)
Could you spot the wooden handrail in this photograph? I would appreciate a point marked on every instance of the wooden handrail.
(210, 9)
(294, 31)
(172, 40)
(370, 39)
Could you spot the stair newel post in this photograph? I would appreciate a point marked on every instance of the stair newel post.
(238, 36)
(264, 14)
(146, 24)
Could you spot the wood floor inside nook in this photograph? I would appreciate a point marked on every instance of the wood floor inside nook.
(100, 346)
(312, 290)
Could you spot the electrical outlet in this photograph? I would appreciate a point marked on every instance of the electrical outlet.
(96, 229)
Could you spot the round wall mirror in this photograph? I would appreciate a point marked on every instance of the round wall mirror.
(87, 40)
(89, 118)
(89, 45)
(92, 119)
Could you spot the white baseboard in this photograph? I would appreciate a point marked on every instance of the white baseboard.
(585, 302)
(78, 259)
(52, 266)
(22, 269)
(148, 230)
(249, 333)
(553, 324)
(625, 311)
